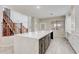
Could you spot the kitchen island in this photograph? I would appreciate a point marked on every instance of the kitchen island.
(32, 42)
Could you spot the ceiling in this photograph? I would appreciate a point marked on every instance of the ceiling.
(44, 11)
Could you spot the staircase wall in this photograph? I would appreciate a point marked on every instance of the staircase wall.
(17, 17)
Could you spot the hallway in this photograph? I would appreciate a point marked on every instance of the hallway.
(60, 46)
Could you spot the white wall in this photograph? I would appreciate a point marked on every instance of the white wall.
(33, 23)
(19, 18)
(50, 21)
(49, 25)
(36, 24)
(29, 23)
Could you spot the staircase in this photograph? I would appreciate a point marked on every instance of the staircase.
(23, 29)
(7, 25)
(10, 28)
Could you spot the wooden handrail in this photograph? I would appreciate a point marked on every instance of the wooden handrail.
(16, 27)
(8, 21)
(7, 17)
(24, 29)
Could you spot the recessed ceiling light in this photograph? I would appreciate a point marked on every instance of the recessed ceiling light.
(38, 7)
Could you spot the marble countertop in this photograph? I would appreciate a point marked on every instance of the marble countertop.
(35, 35)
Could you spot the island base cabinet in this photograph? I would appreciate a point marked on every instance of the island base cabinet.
(41, 46)
(24, 44)
(44, 44)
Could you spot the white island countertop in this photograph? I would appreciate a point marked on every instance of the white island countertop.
(35, 35)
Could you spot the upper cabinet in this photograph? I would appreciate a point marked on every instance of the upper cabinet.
(77, 18)
(70, 20)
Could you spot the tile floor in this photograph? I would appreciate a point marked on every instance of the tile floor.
(60, 46)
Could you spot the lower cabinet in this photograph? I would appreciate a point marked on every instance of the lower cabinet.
(41, 46)
(44, 44)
